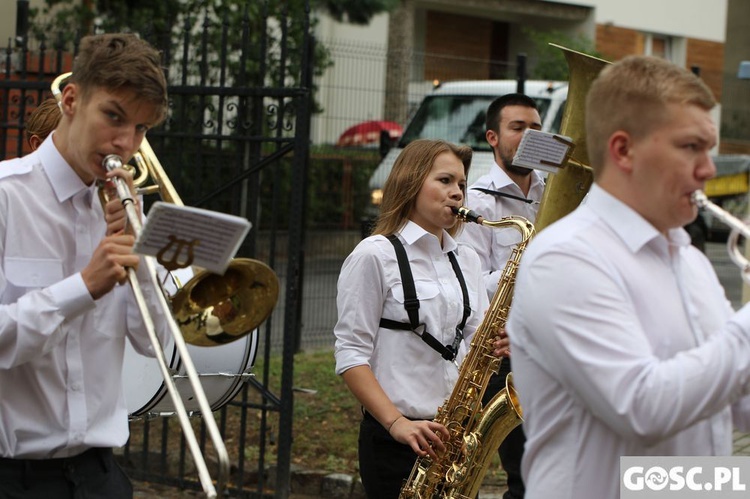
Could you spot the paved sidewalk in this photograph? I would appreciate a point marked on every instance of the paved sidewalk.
(320, 485)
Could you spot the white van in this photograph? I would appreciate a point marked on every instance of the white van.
(456, 111)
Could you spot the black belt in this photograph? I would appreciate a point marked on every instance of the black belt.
(98, 454)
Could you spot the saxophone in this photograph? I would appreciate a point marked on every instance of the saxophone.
(475, 431)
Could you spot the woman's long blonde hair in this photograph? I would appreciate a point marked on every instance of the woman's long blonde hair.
(406, 178)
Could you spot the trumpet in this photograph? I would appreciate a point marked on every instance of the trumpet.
(233, 304)
(737, 226)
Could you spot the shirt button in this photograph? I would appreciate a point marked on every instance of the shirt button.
(76, 387)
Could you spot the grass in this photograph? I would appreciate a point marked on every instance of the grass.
(326, 423)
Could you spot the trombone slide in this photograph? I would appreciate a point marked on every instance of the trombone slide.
(123, 192)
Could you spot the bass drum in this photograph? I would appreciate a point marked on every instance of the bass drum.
(222, 371)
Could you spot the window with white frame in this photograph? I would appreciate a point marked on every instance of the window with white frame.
(659, 46)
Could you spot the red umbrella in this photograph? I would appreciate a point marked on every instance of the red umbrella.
(368, 133)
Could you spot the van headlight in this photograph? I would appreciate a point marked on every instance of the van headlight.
(376, 197)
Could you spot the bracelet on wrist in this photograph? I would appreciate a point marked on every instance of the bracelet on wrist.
(394, 422)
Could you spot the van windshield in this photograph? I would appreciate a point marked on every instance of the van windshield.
(456, 118)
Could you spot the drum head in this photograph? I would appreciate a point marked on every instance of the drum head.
(219, 368)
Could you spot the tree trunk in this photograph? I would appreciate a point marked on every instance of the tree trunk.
(398, 65)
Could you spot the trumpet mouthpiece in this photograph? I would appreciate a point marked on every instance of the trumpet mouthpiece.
(699, 199)
(112, 161)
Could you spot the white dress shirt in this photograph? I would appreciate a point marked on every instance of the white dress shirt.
(60, 351)
(624, 344)
(413, 375)
(494, 246)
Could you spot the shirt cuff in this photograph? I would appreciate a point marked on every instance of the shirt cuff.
(72, 296)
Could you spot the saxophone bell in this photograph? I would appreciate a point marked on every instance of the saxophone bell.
(476, 429)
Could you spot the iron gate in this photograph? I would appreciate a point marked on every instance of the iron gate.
(236, 141)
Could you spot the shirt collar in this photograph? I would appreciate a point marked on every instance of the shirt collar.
(412, 232)
(634, 230)
(500, 179)
(65, 182)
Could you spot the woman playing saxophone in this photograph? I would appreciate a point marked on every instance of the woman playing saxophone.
(403, 329)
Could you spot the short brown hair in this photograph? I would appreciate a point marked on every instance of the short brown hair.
(406, 178)
(43, 119)
(121, 61)
(632, 95)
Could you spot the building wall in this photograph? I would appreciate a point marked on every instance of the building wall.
(700, 19)
(735, 123)
(356, 79)
(695, 28)
(614, 42)
(456, 47)
(8, 10)
(708, 56)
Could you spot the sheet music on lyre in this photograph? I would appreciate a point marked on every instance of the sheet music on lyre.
(179, 236)
(543, 150)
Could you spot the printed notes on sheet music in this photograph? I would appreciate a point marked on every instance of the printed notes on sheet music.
(543, 151)
(172, 231)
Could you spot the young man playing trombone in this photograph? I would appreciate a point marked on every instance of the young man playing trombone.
(63, 317)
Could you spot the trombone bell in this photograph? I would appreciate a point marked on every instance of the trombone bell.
(212, 309)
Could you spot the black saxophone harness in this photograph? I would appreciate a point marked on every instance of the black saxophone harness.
(503, 194)
(411, 304)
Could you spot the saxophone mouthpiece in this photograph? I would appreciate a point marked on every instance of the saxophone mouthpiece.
(468, 215)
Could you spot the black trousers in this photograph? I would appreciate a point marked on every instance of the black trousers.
(384, 464)
(92, 475)
(511, 450)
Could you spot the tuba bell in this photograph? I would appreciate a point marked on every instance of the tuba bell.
(565, 189)
(477, 431)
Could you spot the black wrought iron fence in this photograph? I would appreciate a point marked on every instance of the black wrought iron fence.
(238, 125)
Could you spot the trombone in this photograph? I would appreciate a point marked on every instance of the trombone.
(235, 303)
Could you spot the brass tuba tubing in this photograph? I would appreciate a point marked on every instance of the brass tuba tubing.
(737, 226)
(123, 192)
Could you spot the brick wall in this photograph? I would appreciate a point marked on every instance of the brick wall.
(16, 105)
(734, 146)
(709, 57)
(463, 44)
(615, 43)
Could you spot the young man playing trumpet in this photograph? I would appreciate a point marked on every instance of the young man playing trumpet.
(623, 341)
(63, 317)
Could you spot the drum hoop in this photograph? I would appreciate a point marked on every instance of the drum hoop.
(229, 394)
(238, 381)
(159, 392)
